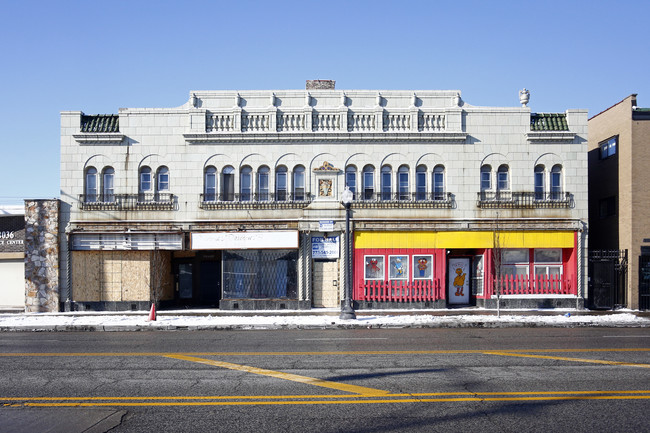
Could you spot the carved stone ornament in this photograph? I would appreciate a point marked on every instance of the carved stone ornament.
(326, 167)
(524, 97)
(325, 188)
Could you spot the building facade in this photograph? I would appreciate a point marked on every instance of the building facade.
(233, 200)
(12, 258)
(619, 209)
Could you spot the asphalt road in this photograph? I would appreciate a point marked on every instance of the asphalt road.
(375, 380)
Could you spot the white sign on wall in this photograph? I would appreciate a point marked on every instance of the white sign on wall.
(277, 239)
(325, 248)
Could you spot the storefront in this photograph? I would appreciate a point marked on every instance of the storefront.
(447, 269)
(12, 261)
(258, 268)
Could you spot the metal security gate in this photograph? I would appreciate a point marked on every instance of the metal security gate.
(644, 282)
(607, 278)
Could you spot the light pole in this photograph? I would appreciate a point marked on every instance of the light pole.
(347, 312)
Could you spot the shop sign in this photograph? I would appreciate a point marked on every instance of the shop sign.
(326, 226)
(325, 248)
(277, 239)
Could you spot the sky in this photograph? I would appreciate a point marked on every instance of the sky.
(96, 57)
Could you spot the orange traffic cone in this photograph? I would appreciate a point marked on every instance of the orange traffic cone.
(152, 313)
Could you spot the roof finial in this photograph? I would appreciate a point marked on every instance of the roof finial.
(524, 97)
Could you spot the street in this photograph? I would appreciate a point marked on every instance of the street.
(368, 380)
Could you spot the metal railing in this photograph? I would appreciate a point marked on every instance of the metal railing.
(254, 201)
(403, 200)
(526, 199)
(121, 202)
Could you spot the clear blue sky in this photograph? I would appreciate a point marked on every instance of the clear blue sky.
(97, 56)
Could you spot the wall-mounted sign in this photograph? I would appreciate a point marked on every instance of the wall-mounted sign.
(326, 226)
(12, 233)
(325, 248)
(277, 239)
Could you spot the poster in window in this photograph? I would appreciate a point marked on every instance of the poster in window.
(422, 267)
(458, 281)
(374, 268)
(399, 267)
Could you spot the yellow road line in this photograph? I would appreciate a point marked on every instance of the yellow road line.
(365, 352)
(349, 401)
(286, 376)
(561, 358)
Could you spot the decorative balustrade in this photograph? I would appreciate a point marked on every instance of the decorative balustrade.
(397, 122)
(323, 122)
(361, 122)
(123, 202)
(326, 122)
(431, 122)
(219, 122)
(520, 200)
(255, 122)
(398, 290)
(532, 285)
(254, 201)
(291, 122)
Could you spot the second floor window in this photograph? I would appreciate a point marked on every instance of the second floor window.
(108, 189)
(556, 182)
(502, 178)
(163, 180)
(386, 187)
(145, 180)
(245, 184)
(439, 182)
(210, 182)
(299, 183)
(421, 182)
(91, 184)
(228, 183)
(403, 182)
(486, 178)
(368, 182)
(263, 183)
(539, 182)
(281, 183)
(351, 179)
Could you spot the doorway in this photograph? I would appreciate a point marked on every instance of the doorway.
(459, 277)
(325, 284)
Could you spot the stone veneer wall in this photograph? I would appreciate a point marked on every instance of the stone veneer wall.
(42, 255)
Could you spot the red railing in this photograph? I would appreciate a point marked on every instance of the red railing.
(399, 291)
(533, 285)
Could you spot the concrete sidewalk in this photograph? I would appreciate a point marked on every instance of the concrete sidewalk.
(214, 319)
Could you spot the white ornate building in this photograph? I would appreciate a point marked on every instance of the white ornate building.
(233, 199)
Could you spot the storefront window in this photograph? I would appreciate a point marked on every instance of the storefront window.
(374, 268)
(260, 274)
(399, 267)
(422, 267)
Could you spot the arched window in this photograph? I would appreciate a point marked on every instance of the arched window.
(556, 182)
(539, 183)
(299, 183)
(91, 185)
(228, 183)
(210, 184)
(421, 182)
(486, 177)
(439, 182)
(368, 182)
(403, 182)
(281, 183)
(145, 186)
(162, 182)
(108, 189)
(386, 186)
(263, 183)
(351, 179)
(503, 183)
(246, 183)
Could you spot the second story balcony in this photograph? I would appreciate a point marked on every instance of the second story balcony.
(524, 200)
(281, 200)
(404, 200)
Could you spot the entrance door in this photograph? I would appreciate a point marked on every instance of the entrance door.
(185, 285)
(458, 281)
(210, 282)
(325, 284)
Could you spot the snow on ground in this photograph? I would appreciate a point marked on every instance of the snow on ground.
(253, 320)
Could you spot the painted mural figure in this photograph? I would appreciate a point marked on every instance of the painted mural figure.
(459, 282)
(399, 268)
(422, 266)
(374, 271)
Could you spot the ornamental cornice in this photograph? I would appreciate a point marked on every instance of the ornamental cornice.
(350, 137)
(553, 136)
(111, 138)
